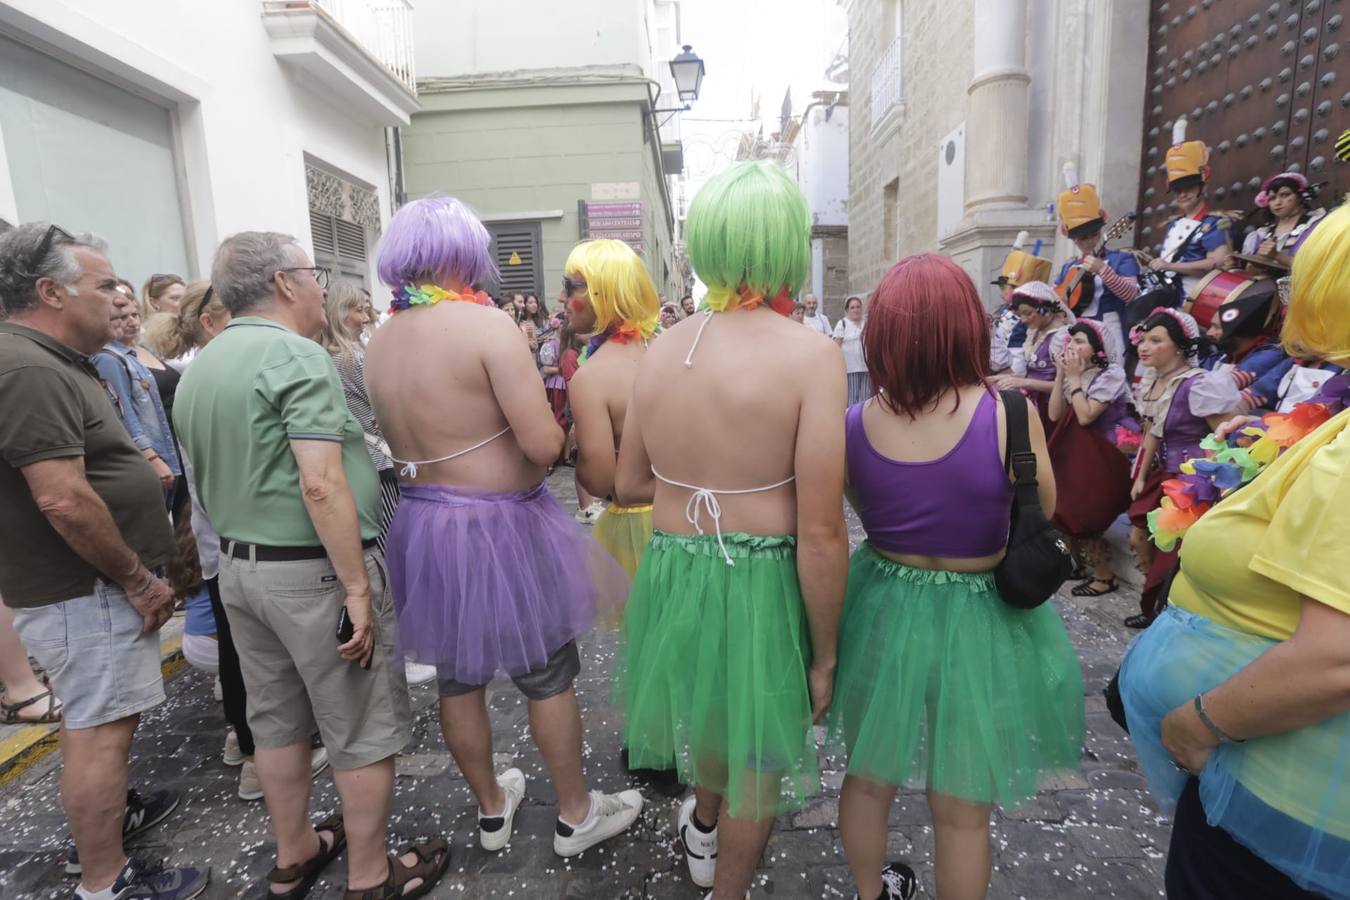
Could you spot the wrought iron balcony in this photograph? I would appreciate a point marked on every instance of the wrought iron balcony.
(888, 95)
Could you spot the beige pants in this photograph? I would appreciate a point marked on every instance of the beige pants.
(284, 619)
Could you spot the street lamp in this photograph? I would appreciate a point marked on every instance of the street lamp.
(687, 70)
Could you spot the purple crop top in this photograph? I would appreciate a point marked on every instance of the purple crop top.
(957, 505)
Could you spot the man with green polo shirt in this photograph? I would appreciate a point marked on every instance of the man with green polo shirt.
(281, 468)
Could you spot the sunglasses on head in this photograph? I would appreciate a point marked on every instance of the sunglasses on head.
(45, 245)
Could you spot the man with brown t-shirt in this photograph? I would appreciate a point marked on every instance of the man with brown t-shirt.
(83, 528)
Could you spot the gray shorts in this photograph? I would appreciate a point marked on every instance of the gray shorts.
(284, 617)
(102, 665)
(555, 677)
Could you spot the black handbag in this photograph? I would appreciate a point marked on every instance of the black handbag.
(1038, 561)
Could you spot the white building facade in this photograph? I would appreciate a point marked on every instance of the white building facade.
(167, 125)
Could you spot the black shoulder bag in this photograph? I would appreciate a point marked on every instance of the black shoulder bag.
(1038, 559)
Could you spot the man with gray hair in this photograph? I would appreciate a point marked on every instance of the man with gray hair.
(814, 316)
(281, 468)
(84, 533)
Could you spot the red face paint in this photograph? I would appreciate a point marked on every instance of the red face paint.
(576, 304)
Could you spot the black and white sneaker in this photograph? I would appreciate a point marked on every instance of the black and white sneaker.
(494, 832)
(610, 814)
(142, 813)
(898, 882)
(700, 847)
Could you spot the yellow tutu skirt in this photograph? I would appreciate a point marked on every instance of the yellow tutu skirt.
(625, 531)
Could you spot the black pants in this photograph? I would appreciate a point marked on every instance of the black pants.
(231, 679)
(1205, 863)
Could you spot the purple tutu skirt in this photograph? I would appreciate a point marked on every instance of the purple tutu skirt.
(488, 583)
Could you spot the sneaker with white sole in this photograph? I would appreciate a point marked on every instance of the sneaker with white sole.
(899, 882)
(700, 847)
(417, 673)
(139, 880)
(232, 756)
(142, 812)
(610, 814)
(250, 786)
(494, 832)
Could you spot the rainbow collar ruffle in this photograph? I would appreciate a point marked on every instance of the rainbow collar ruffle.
(1229, 464)
(410, 295)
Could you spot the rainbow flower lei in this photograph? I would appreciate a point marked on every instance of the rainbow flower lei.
(410, 295)
(1230, 464)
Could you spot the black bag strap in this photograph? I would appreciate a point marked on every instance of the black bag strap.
(1021, 461)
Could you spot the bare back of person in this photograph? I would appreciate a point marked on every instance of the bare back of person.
(730, 420)
(446, 377)
(932, 435)
(599, 394)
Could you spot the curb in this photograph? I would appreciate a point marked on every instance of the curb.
(28, 746)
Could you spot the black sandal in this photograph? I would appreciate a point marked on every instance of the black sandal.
(1086, 589)
(9, 712)
(1139, 620)
(308, 871)
(433, 858)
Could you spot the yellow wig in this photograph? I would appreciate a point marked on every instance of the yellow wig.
(621, 291)
(1318, 320)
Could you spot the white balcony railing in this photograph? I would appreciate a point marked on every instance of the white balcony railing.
(383, 28)
(887, 82)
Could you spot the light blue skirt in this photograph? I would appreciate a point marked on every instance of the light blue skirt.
(1286, 797)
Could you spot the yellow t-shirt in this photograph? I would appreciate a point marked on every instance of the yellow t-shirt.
(1247, 561)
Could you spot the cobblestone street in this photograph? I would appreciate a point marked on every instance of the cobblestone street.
(1094, 833)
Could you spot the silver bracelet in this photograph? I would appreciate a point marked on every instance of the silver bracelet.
(1209, 723)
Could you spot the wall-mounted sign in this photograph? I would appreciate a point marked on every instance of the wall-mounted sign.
(620, 221)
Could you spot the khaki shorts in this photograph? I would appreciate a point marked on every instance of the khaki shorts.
(284, 618)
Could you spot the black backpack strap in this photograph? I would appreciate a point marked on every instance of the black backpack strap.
(1021, 461)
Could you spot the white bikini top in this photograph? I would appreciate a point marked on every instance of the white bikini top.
(409, 469)
(706, 498)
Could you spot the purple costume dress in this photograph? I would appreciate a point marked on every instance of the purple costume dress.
(488, 583)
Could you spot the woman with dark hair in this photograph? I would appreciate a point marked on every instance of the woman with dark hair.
(1288, 200)
(1088, 401)
(534, 322)
(1046, 318)
(848, 335)
(1180, 403)
(937, 674)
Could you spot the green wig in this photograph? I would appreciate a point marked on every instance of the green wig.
(749, 228)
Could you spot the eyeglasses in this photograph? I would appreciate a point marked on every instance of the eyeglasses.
(569, 285)
(320, 273)
(45, 245)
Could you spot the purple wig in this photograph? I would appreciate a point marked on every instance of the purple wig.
(435, 238)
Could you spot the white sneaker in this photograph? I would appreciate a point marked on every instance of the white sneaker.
(494, 832)
(217, 691)
(417, 673)
(610, 814)
(232, 755)
(583, 516)
(700, 848)
(250, 785)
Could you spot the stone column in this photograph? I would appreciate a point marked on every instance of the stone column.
(996, 127)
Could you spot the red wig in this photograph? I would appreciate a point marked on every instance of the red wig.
(926, 334)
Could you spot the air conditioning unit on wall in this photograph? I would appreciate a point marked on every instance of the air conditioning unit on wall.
(951, 181)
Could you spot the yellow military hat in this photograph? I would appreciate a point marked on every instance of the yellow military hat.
(1021, 267)
(1187, 161)
(1080, 206)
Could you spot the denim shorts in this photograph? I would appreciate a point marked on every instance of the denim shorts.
(101, 664)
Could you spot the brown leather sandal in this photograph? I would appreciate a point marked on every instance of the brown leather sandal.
(10, 712)
(308, 871)
(433, 858)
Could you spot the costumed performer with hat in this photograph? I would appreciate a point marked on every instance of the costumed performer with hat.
(490, 575)
(1180, 403)
(1197, 241)
(1114, 274)
(1007, 331)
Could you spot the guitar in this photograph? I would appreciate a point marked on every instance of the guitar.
(1077, 284)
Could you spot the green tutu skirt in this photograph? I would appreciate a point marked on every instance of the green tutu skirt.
(712, 671)
(940, 681)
